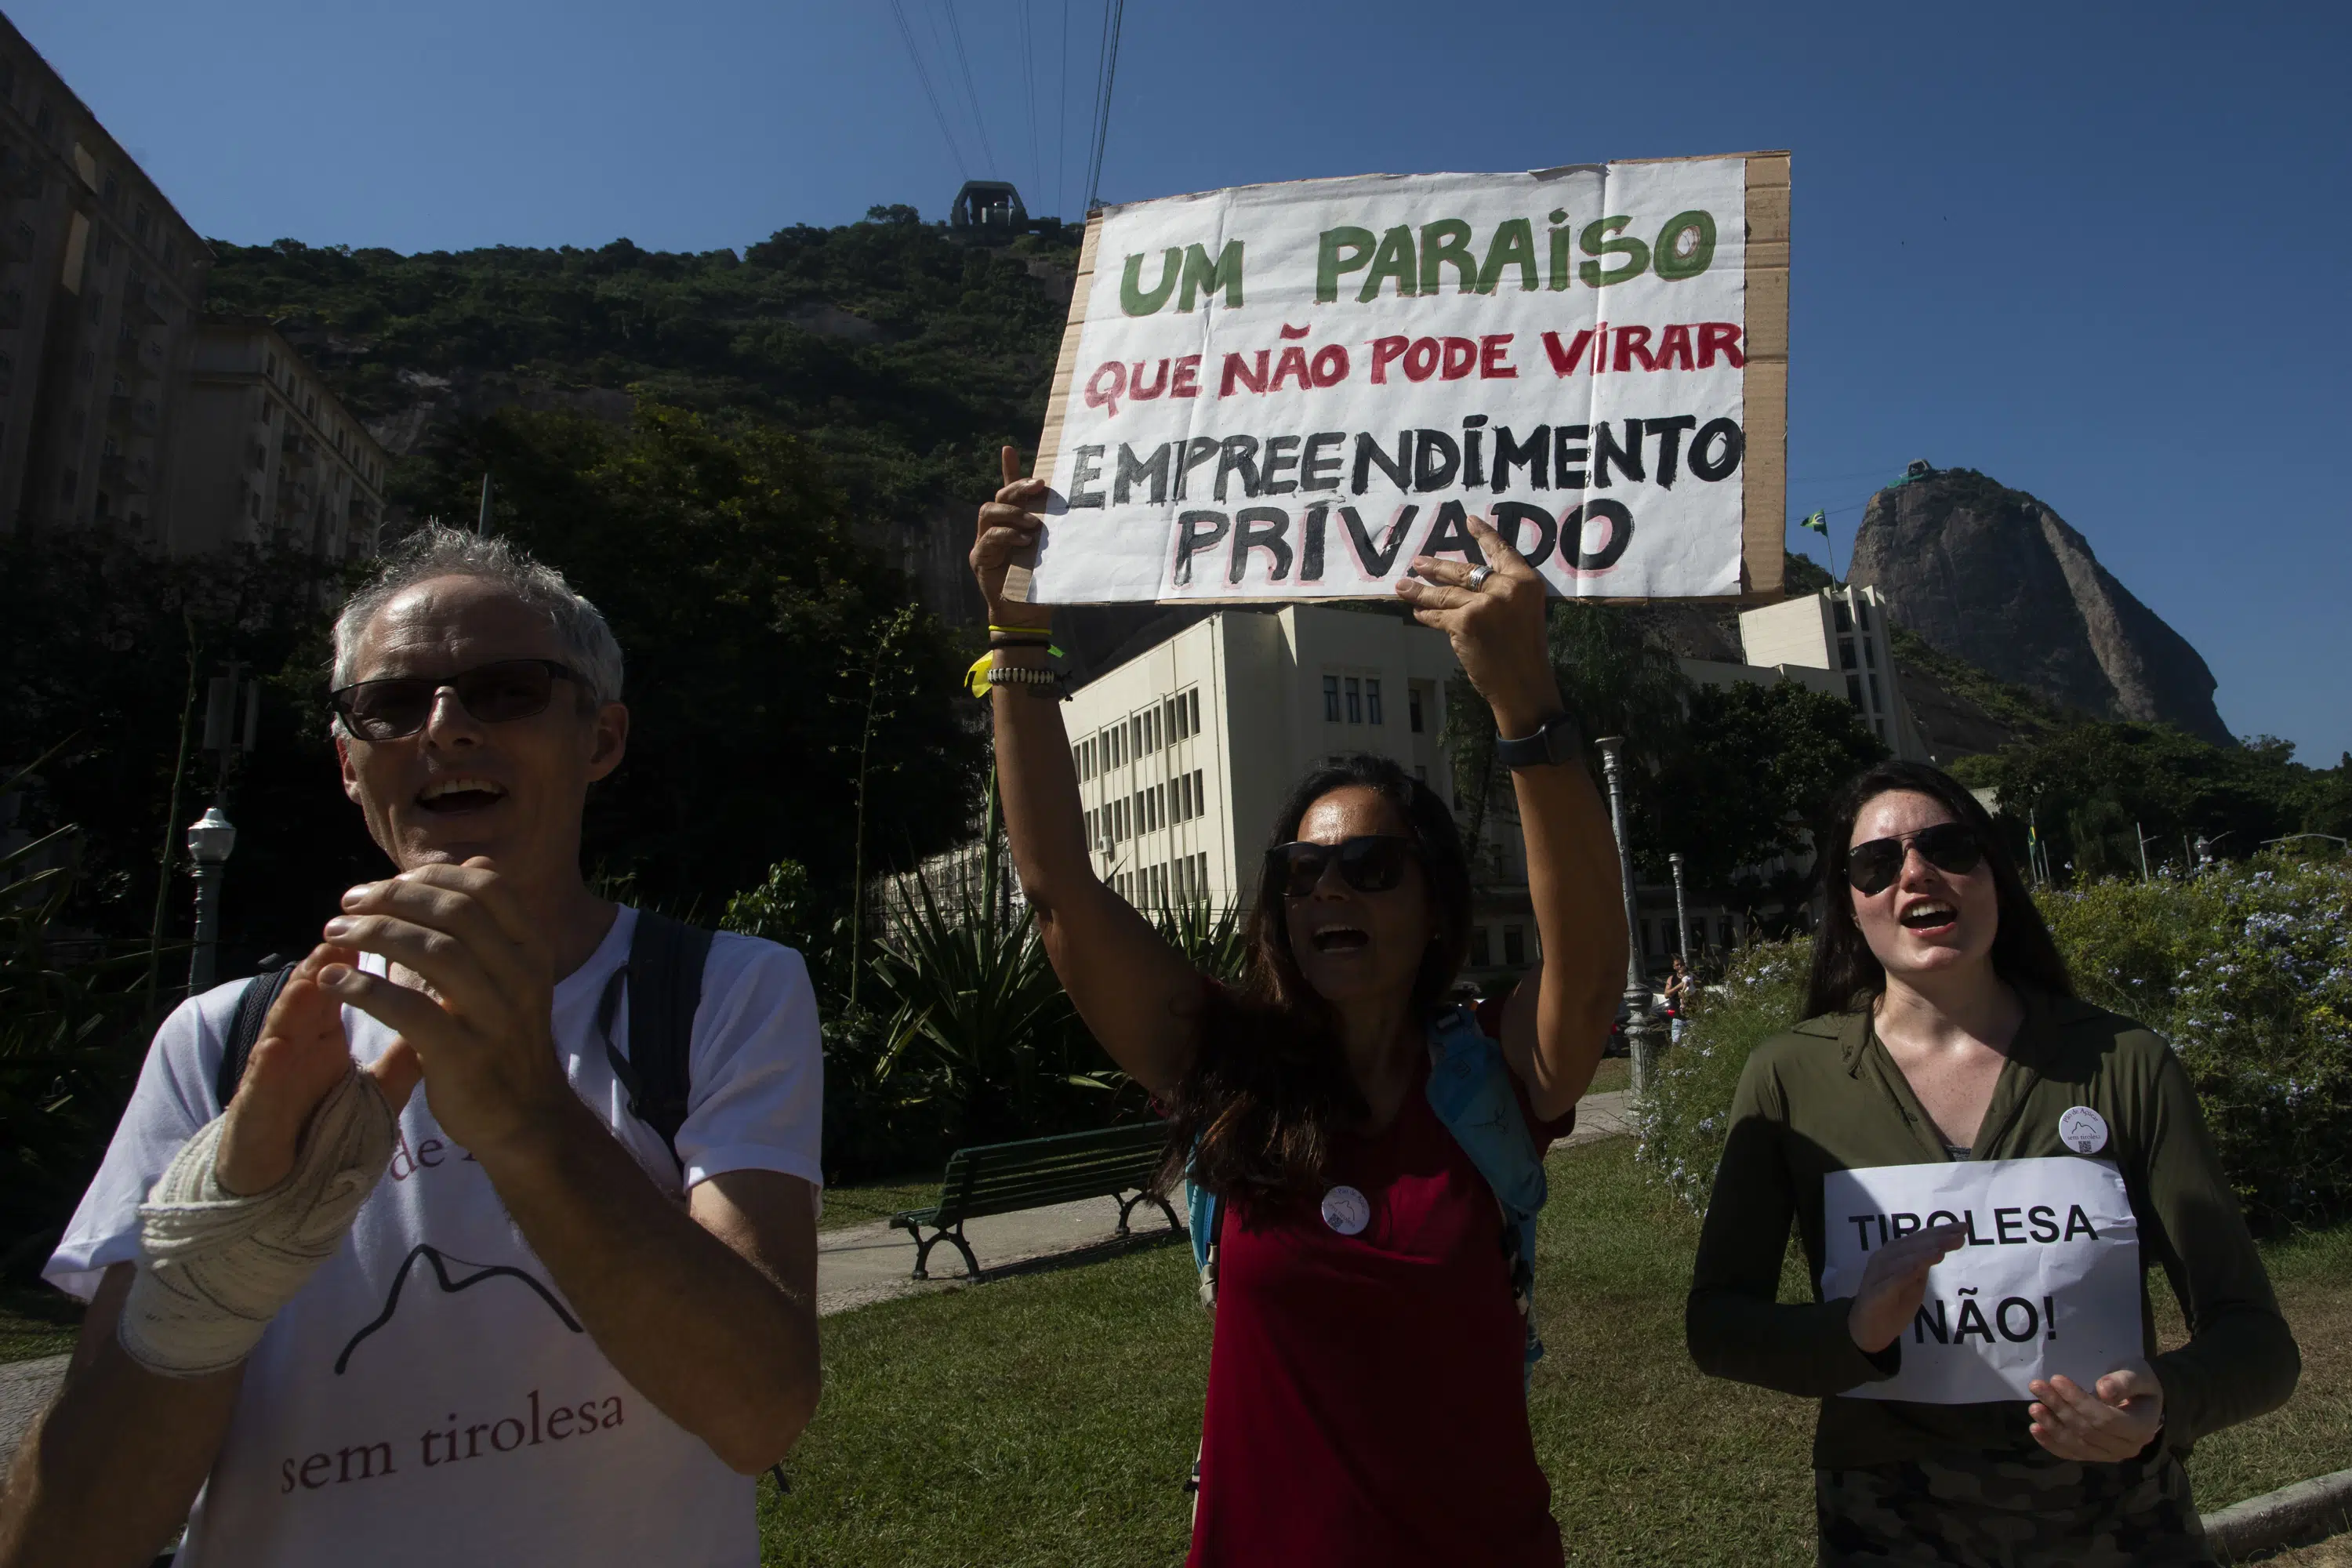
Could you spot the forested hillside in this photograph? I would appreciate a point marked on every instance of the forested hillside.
(902, 356)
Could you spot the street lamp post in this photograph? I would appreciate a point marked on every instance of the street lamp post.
(210, 839)
(1682, 915)
(1641, 1026)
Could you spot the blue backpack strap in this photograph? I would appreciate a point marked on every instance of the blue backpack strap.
(1470, 1089)
(1204, 1213)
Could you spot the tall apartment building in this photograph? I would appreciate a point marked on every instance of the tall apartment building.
(1843, 630)
(267, 453)
(121, 406)
(1184, 752)
(100, 282)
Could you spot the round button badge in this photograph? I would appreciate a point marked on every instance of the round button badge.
(2082, 1129)
(1347, 1211)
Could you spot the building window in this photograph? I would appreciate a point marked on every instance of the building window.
(1372, 702)
(1853, 690)
(1843, 618)
(1355, 700)
(1192, 702)
(1412, 709)
(1845, 653)
(1515, 946)
(1877, 701)
(1861, 614)
(1330, 700)
(1870, 653)
(1478, 950)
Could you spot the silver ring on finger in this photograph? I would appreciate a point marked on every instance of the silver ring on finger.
(1477, 578)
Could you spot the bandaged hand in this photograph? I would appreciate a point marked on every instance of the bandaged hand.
(264, 1192)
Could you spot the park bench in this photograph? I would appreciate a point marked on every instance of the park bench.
(1005, 1178)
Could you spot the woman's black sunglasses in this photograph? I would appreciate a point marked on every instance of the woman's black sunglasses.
(1372, 864)
(1951, 846)
(397, 706)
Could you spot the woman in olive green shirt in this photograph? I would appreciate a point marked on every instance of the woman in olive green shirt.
(1944, 1026)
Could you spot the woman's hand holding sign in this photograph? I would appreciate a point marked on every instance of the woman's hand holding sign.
(2105, 1426)
(1497, 627)
(1009, 526)
(1895, 1282)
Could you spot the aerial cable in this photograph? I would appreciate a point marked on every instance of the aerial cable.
(1029, 86)
(1114, 15)
(963, 62)
(1061, 123)
(906, 35)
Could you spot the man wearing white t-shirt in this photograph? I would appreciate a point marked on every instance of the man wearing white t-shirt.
(550, 1335)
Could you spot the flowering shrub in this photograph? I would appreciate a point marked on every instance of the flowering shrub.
(2246, 970)
(1681, 1121)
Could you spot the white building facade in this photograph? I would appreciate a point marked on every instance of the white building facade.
(1838, 639)
(1184, 752)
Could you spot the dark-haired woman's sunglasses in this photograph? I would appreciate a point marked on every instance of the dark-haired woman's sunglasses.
(1951, 846)
(1372, 864)
(397, 706)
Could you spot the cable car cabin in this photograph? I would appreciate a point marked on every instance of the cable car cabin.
(988, 212)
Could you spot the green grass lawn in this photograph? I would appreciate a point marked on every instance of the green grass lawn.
(36, 1322)
(1051, 1419)
(1613, 1074)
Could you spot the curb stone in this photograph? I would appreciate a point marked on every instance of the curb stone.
(2276, 1518)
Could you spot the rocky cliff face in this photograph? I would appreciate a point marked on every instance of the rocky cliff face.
(1991, 575)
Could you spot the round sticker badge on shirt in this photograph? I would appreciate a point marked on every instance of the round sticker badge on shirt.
(1347, 1211)
(2082, 1129)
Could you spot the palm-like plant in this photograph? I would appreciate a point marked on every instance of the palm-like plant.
(978, 1010)
(67, 1040)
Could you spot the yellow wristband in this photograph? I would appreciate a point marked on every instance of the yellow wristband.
(997, 631)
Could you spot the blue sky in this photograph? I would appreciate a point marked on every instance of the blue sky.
(2099, 252)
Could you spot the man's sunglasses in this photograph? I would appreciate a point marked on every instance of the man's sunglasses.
(1372, 864)
(1951, 846)
(398, 706)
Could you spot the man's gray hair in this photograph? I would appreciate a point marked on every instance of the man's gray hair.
(438, 551)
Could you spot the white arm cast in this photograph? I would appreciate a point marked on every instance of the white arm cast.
(215, 1269)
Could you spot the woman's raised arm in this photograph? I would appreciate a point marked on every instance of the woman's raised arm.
(1138, 994)
(1556, 1024)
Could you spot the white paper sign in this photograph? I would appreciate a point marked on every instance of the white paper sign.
(2048, 1283)
(1288, 391)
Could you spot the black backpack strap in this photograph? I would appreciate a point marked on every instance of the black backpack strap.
(245, 1029)
(664, 982)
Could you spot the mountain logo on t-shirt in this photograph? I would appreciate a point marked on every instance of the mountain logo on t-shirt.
(449, 1286)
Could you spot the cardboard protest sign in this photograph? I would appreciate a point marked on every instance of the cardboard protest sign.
(1288, 391)
(2049, 1281)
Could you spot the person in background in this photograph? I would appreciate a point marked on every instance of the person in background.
(1367, 1380)
(1943, 1027)
(1677, 994)
(505, 1320)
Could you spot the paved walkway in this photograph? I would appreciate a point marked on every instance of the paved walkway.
(25, 1387)
(863, 1264)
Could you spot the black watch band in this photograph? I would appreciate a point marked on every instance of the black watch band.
(1559, 739)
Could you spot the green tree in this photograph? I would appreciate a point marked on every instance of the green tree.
(1756, 769)
(744, 605)
(1613, 680)
(2096, 788)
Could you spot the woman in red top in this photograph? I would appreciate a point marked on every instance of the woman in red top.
(1365, 1384)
